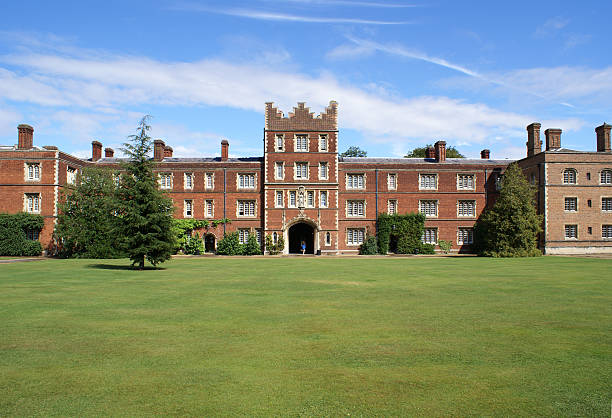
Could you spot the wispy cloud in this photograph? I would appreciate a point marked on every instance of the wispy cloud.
(352, 3)
(283, 17)
(551, 26)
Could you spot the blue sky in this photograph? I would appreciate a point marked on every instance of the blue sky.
(404, 73)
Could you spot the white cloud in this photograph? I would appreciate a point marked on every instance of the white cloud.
(351, 3)
(551, 26)
(9, 119)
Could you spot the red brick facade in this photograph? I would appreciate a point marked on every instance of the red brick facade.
(303, 191)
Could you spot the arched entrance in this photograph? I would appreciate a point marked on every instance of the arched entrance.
(209, 243)
(298, 233)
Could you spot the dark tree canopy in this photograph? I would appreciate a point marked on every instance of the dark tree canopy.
(354, 152)
(511, 227)
(451, 152)
(145, 215)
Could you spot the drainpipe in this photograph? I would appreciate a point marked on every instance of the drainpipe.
(376, 200)
(224, 195)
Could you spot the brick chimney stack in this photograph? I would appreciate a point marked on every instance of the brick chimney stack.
(430, 152)
(603, 138)
(25, 138)
(553, 139)
(109, 152)
(96, 150)
(168, 151)
(224, 150)
(534, 145)
(440, 148)
(158, 150)
(485, 154)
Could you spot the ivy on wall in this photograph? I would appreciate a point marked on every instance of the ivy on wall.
(402, 234)
(14, 234)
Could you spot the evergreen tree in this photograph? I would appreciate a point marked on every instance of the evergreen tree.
(451, 152)
(86, 221)
(511, 227)
(145, 212)
(354, 152)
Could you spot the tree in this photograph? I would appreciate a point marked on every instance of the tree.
(511, 227)
(451, 152)
(145, 212)
(86, 219)
(354, 152)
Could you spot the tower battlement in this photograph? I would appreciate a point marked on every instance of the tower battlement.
(302, 119)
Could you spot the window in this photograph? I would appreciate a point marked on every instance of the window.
(301, 143)
(391, 181)
(32, 234)
(430, 236)
(165, 180)
(32, 202)
(246, 208)
(355, 181)
(279, 142)
(322, 142)
(606, 204)
(279, 199)
(301, 171)
(606, 231)
(310, 200)
(327, 238)
(465, 236)
(569, 176)
(279, 170)
(571, 231)
(71, 174)
(354, 236)
(208, 208)
(274, 237)
(605, 177)
(246, 181)
(32, 171)
(392, 207)
(588, 176)
(428, 182)
(498, 182)
(428, 207)
(292, 199)
(532, 179)
(571, 204)
(322, 171)
(243, 235)
(465, 182)
(323, 199)
(258, 236)
(210, 180)
(590, 230)
(466, 208)
(355, 208)
(188, 180)
(589, 203)
(188, 208)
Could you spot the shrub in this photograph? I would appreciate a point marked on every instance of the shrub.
(229, 245)
(445, 246)
(277, 248)
(252, 247)
(369, 247)
(13, 235)
(194, 245)
(401, 233)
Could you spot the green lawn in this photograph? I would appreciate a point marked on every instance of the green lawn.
(307, 336)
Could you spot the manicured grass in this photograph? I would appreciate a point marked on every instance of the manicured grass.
(307, 336)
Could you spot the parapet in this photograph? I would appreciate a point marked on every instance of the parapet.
(302, 119)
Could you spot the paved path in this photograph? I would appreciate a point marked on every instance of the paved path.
(20, 260)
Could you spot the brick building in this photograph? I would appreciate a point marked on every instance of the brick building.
(574, 192)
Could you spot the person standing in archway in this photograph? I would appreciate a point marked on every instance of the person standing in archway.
(303, 247)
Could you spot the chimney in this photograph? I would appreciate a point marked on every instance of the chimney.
(534, 145)
(224, 150)
(553, 139)
(109, 152)
(158, 150)
(430, 152)
(96, 150)
(440, 148)
(603, 138)
(485, 154)
(167, 151)
(25, 138)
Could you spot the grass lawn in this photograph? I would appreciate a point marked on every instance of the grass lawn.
(307, 336)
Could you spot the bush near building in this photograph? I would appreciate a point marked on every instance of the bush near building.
(19, 234)
(402, 234)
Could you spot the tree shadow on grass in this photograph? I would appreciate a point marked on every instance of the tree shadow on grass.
(122, 267)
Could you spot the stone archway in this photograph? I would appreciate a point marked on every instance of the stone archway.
(298, 233)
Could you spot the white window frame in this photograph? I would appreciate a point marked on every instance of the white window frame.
(32, 171)
(188, 207)
(297, 142)
(392, 203)
(32, 202)
(209, 208)
(248, 208)
(609, 231)
(279, 142)
(465, 231)
(570, 231)
(323, 170)
(292, 199)
(209, 181)
(603, 209)
(605, 177)
(426, 237)
(277, 165)
(243, 235)
(355, 208)
(246, 181)
(321, 203)
(323, 143)
(166, 181)
(392, 184)
(566, 176)
(278, 193)
(355, 181)
(71, 175)
(355, 236)
(297, 168)
(428, 201)
(426, 186)
(310, 199)
(466, 181)
(188, 181)
(464, 207)
(328, 239)
(569, 199)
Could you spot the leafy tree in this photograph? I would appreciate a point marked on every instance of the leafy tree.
(229, 245)
(145, 212)
(451, 152)
(252, 247)
(86, 217)
(273, 248)
(511, 227)
(369, 246)
(354, 152)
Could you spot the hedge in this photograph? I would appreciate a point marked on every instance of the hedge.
(402, 234)
(13, 234)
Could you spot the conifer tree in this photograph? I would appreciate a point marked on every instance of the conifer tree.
(145, 212)
(511, 227)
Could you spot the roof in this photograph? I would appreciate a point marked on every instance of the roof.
(187, 160)
(381, 160)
